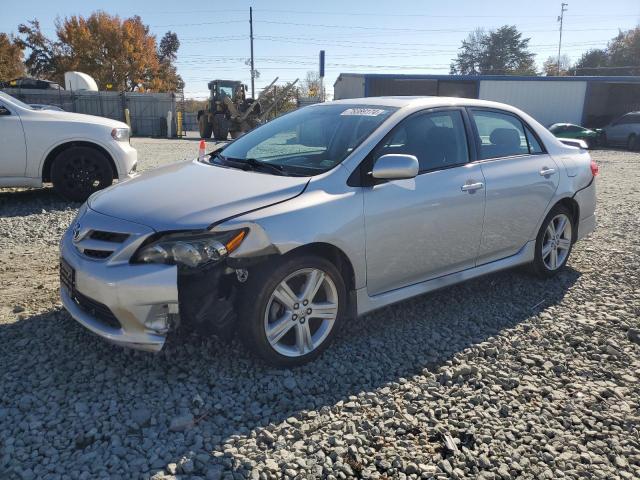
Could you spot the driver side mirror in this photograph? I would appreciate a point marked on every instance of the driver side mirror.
(395, 167)
(4, 110)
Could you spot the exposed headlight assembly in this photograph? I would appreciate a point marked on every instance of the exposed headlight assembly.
(190, 250)
(120, 134)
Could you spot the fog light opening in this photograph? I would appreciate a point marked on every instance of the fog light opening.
(164, 320)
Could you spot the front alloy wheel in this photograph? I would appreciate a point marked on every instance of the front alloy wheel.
(290, 313)
(301, 312)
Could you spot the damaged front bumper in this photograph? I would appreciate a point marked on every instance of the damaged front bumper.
(131, 306)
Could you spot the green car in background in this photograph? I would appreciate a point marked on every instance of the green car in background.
(569, 130)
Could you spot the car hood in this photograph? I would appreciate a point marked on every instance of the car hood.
(192, 195)
(55, 115)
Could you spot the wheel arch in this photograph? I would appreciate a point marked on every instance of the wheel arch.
(335, 255)
(51, 156)
(573, 207)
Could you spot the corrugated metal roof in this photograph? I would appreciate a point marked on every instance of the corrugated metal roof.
(408, 76)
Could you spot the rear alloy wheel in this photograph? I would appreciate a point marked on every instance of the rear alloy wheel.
(554, 242)
(291, 313)
(78, 172)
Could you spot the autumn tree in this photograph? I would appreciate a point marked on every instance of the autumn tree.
(592, 62)
(624, 53)
(550, 66)
(42, 60)
(620, 57)
(311, 86)
(167, 55)
(468, 61)
(11, 65)
(122, 53)
(286, 102)
(501, 51)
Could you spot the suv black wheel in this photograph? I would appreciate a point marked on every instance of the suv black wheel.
(77, 172)
(291, 310)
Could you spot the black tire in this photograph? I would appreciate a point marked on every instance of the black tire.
(77, 172)
(255, 298)
(632, 143)
(220, 127)
(204, 126)
(539, 266)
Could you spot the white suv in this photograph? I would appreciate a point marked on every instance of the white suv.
(79, 154)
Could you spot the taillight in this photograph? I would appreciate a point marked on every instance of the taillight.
(594, 168)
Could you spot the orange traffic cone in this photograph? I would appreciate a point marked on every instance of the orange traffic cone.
(201, 149)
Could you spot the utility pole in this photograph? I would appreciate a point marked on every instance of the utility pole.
(560, 19)
(253, 93)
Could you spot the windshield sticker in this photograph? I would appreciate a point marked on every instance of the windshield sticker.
(364, 112)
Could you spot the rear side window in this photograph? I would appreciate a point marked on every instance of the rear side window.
(436, 139)
(633, 118)
(534, 146)
(503, 135)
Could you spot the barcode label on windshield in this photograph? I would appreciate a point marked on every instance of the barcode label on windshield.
(364, 112)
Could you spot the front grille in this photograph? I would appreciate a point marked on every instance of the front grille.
(89, 305)
(101, 254)
(96, 309)
(113, 237)
(67, 275)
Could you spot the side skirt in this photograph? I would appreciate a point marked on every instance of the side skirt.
(367, 303)
(20, 182)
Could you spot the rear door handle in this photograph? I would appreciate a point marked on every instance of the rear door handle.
(545, 172)
(471, 187)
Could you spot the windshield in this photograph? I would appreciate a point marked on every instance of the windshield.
(14, 100)
(228, 91)
(311, 140)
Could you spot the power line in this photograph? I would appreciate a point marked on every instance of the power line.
(435, 30)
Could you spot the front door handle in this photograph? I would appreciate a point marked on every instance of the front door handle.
(545, 172)
(471, 187)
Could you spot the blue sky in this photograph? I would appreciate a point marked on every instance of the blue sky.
(408, 36)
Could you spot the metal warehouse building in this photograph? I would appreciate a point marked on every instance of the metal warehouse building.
(589, 101)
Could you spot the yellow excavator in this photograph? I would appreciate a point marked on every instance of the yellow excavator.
(230, 112)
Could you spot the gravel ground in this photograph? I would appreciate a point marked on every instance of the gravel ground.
(503, 377)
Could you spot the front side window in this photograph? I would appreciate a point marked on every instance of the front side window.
(437, 140)
(308, 141)
(500, 135)
(634, 118)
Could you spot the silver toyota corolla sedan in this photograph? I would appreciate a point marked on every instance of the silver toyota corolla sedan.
(327, 212)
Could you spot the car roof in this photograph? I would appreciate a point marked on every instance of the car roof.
(421, 101)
